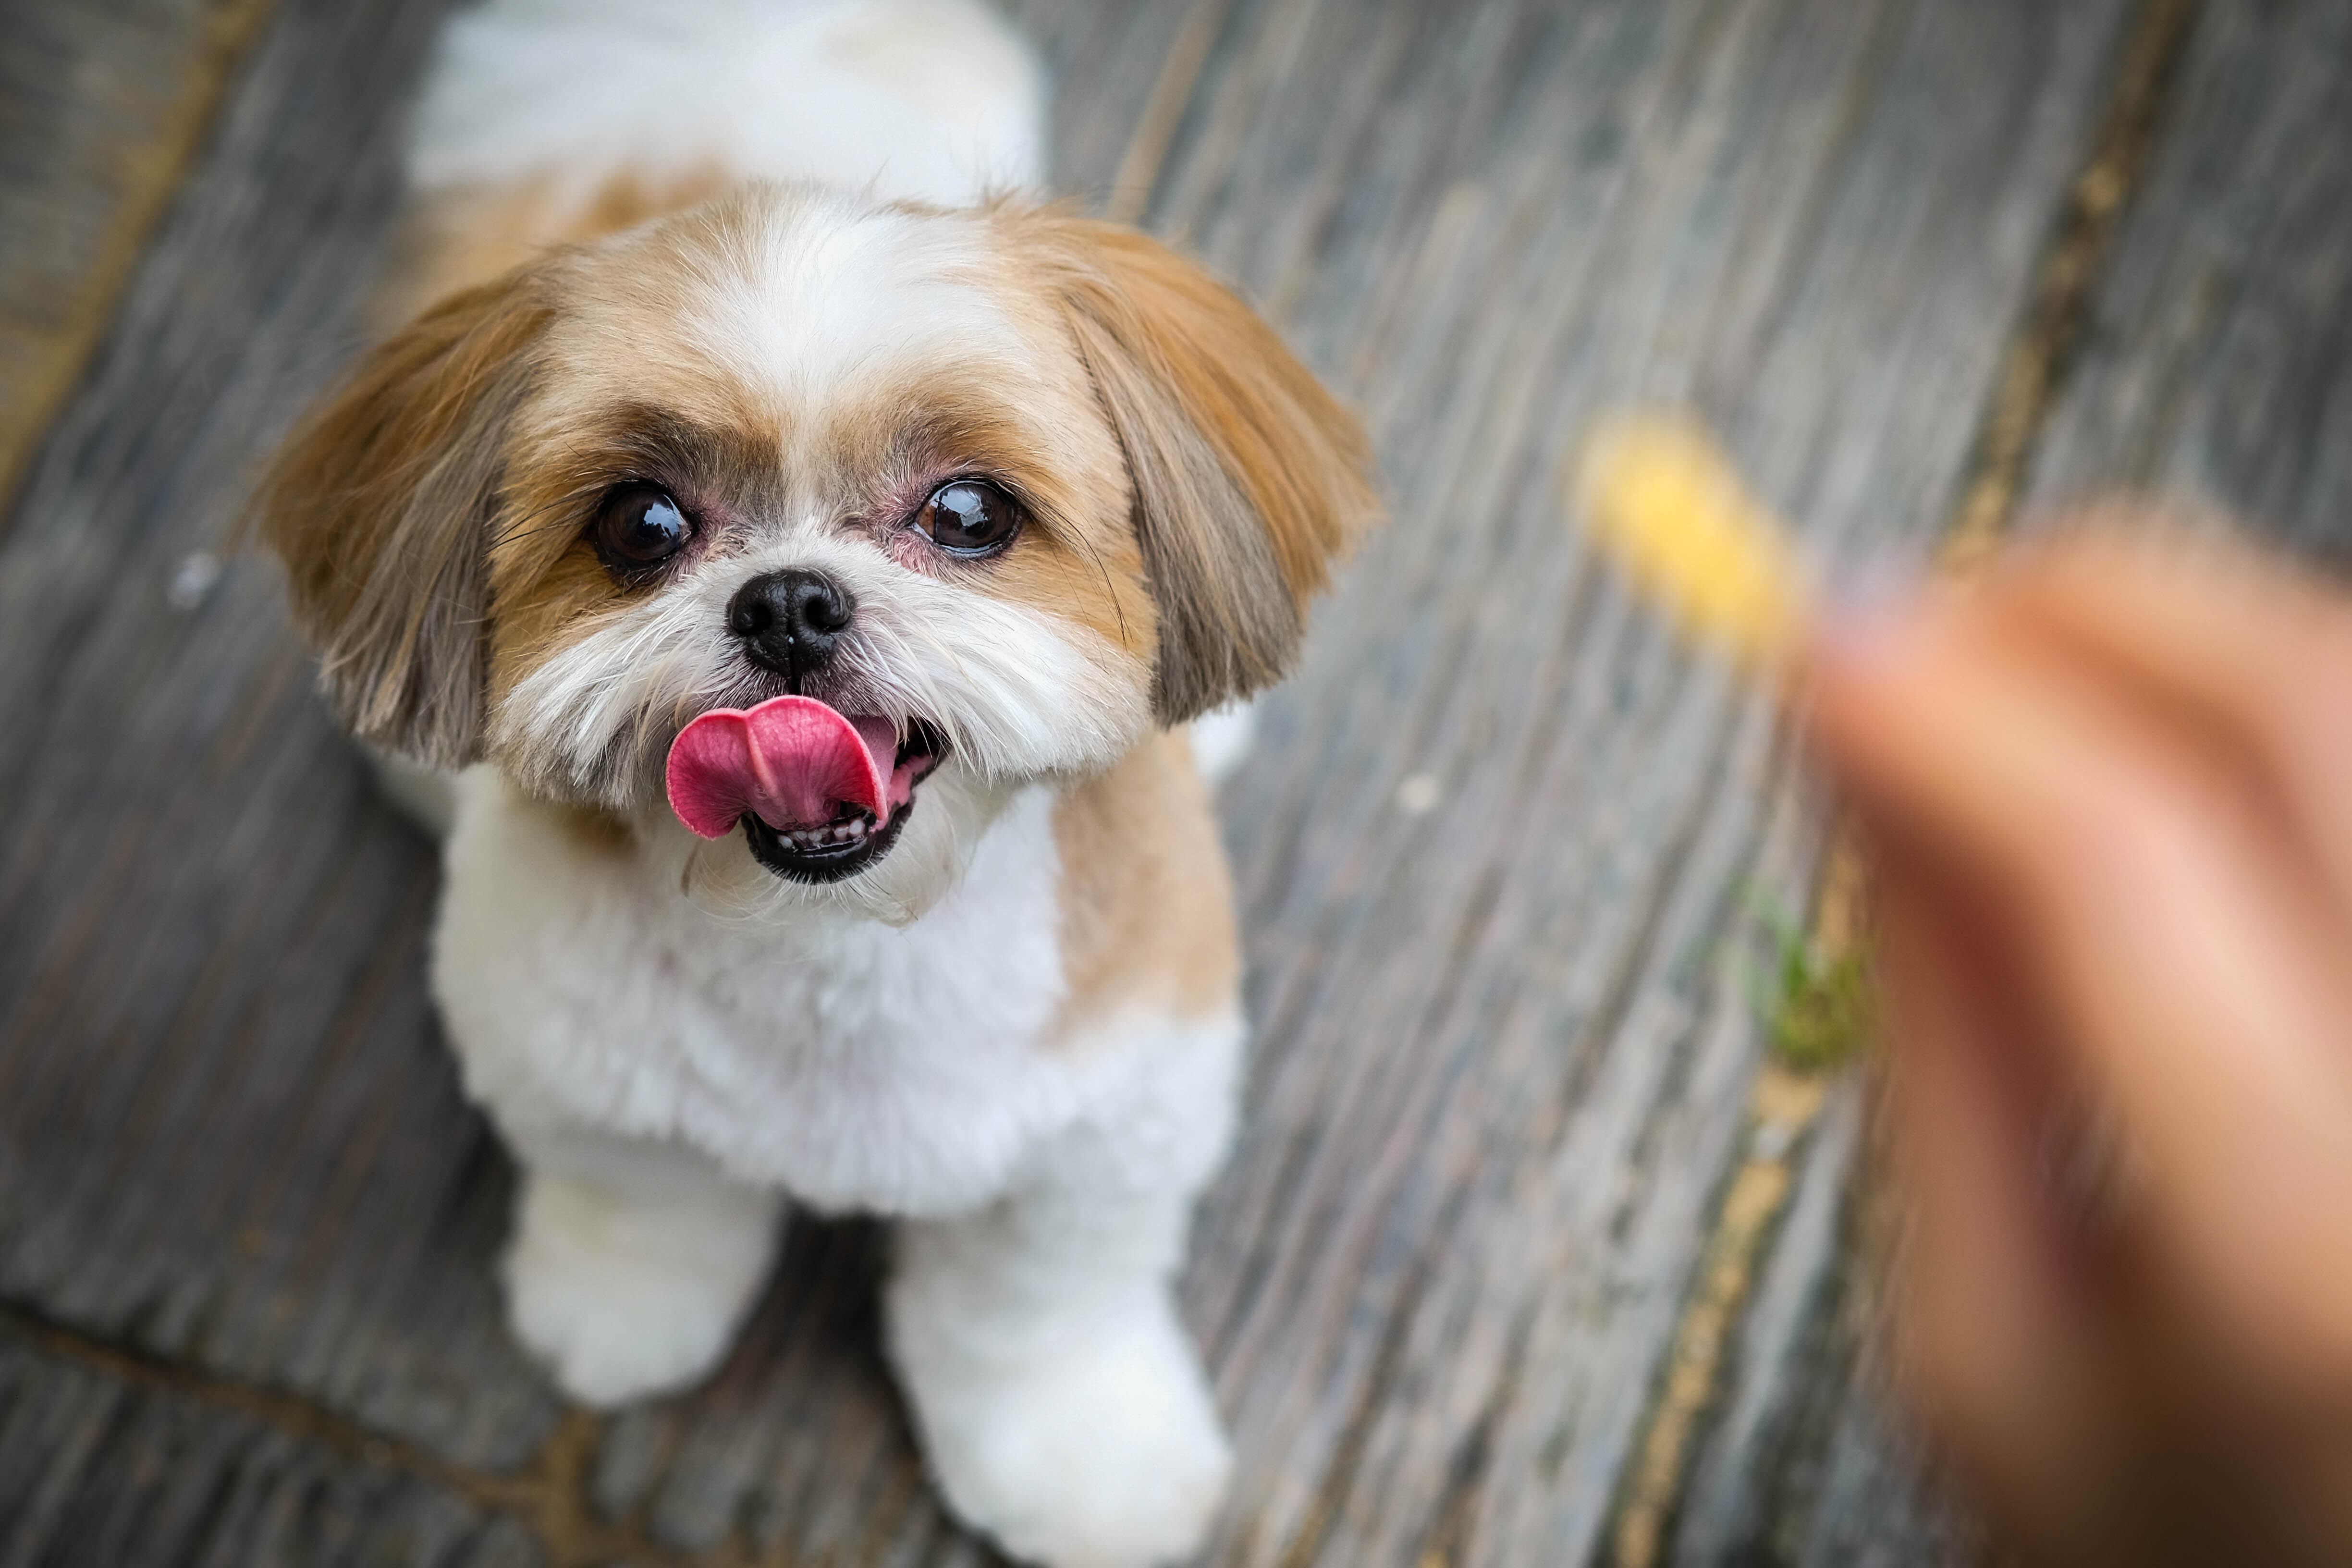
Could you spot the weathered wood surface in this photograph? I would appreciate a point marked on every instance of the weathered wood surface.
(245, 1223)
(100, 105)
(2210, 368)
(1506, 1047)
(105, 1467)
(2218, 366)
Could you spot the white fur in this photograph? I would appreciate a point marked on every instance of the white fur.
(666, 1075)
(936, 99)
(857, 1064)
(632, 1261)
(1019, 693)
(1221, 740)
(1056, 1392)
(861, 297)
(674, 1042)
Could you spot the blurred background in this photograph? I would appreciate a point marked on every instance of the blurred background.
(1539, 1245)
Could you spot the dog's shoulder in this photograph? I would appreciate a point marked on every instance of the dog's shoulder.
(1146, 897)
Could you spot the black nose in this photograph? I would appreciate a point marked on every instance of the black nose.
(791, 621)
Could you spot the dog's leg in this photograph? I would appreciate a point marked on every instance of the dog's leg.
(632, 1263)
(1062, 1405)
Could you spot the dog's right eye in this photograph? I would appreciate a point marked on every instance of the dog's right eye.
(638, 527)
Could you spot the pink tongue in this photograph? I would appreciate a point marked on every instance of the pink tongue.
(791, 760)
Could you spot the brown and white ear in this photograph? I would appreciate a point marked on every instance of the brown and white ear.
(1250, 479)
(380, 505)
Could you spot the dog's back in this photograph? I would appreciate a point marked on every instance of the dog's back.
(544, 121)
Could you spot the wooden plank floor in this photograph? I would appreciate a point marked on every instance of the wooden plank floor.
(1508, 1060)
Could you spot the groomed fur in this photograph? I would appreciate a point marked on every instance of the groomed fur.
(1249, 478)
(379, 506)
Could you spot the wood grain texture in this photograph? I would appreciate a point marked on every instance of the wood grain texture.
(231, 1133)
(1504, 1045)
(104, 1471)
(1788, 1452)
(1814, 223)
(2211, 373)
(102, 106)
(2219, 369)
(1802, 1461)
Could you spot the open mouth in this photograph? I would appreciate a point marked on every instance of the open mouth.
(820, 795)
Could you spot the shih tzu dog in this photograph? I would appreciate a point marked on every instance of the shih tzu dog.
(796, 570)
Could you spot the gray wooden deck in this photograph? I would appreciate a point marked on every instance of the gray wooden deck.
(1518, 1262)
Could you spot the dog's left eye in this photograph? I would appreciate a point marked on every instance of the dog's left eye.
(639, 527)
(969, 517)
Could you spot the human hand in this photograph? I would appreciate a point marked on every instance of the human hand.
(2109, 795)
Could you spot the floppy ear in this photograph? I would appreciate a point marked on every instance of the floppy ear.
(380, 505)
(1249, 478)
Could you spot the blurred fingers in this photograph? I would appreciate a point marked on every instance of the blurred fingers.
(2175, 960)
(2242, 652)
(1999, 1346)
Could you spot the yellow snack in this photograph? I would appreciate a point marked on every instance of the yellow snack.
(1665, 502)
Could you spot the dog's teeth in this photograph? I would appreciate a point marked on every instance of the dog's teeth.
(832, 835)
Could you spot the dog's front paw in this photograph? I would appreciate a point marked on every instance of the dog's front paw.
(621, 1300)
(1097, 1448)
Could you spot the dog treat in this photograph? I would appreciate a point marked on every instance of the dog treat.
(1665, 502)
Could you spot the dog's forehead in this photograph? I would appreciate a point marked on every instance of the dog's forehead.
(791, 305)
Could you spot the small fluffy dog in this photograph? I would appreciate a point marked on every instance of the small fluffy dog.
(800, 570)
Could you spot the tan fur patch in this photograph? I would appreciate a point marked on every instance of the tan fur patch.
(596, 831)
(378, 504)
(1147, 901)
(460, 238)
(544, 612)
(1249, 478)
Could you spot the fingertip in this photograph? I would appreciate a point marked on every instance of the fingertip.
(1865, 665)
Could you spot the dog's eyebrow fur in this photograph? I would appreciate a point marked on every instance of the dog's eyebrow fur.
(642, 440)
(953, 428)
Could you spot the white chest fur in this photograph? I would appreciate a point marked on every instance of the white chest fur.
(854, 1065)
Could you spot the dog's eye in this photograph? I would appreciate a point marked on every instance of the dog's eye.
(639, 527)
(969, 517)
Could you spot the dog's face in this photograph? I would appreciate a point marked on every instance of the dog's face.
(1001, 488)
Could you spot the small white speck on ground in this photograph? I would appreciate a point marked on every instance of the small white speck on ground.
(193, 580)
(1418, 794)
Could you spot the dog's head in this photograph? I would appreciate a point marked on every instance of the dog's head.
(1000, 487)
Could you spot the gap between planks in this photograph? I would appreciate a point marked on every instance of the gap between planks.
(1786, 1103)
(548, 1496)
